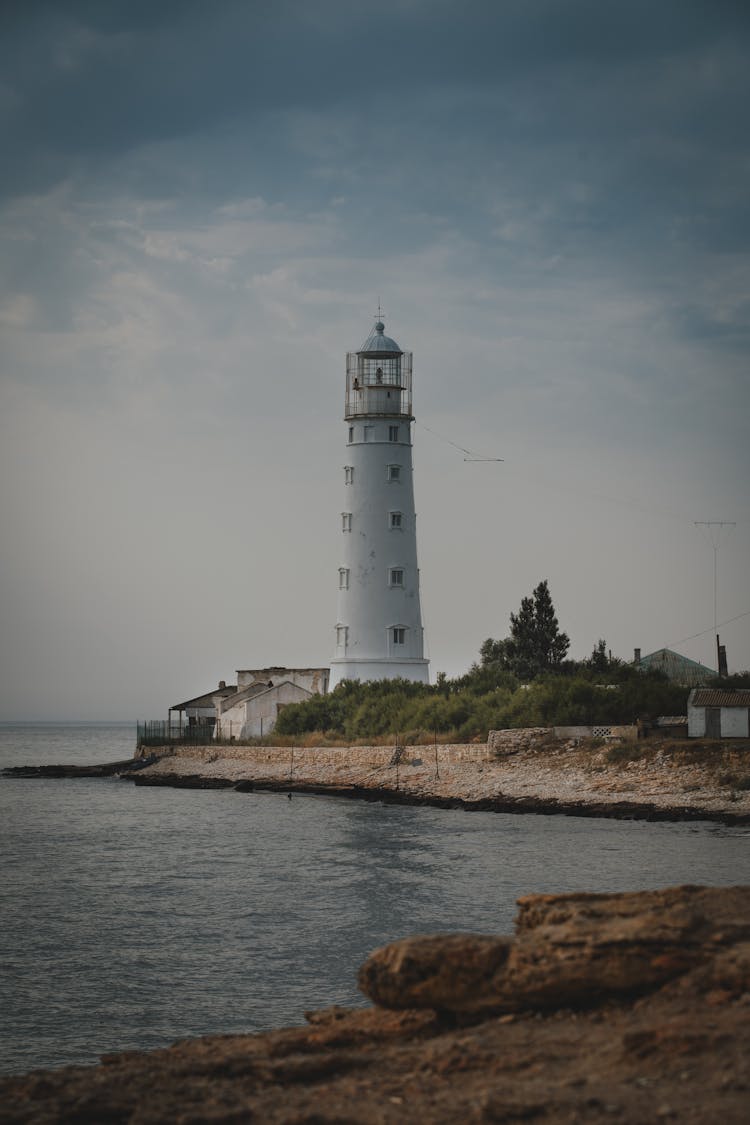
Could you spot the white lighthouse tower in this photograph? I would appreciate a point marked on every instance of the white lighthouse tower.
(379, 633)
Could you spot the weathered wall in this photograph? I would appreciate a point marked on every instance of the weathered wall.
(599, 730)
(501, 742)
(696, 722)
(256, 716)
(734, 722)
(335, 757)
(312, 679)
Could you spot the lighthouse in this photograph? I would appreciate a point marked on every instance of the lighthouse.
(379, 633)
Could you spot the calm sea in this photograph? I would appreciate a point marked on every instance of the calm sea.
(132, 917)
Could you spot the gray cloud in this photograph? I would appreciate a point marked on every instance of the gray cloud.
(201, 205)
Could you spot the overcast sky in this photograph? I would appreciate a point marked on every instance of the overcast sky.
(201, 206)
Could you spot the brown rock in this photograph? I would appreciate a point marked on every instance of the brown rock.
(570, 950)
(447, 971)
(675, 1054)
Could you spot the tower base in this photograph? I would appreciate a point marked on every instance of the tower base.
(385, 669)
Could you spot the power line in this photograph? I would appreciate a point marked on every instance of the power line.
(721, 625)
(470, 456)
(557, 486)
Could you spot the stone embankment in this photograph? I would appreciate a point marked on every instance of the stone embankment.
(626, 1008)
(515, 771)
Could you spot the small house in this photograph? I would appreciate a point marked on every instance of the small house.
(250, 708)
(719, 713)
(253, 712)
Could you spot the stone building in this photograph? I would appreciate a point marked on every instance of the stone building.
(251, 707)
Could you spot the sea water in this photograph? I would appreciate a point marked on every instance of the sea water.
(135, 916)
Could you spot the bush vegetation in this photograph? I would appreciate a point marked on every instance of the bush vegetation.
(484, 699)
(521, 681)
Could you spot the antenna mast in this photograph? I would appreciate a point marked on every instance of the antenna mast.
(714, 529)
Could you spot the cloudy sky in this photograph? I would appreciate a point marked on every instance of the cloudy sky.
(201, 206)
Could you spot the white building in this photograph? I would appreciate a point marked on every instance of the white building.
(253, 709)
(719, 713)
(250, 708)
(379, 631)
(253, 712)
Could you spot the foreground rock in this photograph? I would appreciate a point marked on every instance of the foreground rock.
(570, 950)
(624, 1008)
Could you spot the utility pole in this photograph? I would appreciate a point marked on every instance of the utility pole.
(714, 529)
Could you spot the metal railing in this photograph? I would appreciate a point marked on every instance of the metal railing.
(378, 386)
(359, 404)
(166, 732)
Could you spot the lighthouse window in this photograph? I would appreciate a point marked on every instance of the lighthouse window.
(369, 431)
(346, 521)
(342, 635)
(343, 578)
(393, 433)
(399, 635)
(396, 576)
(394, 472)
(348, 474)
(351, 433)
(395, 519)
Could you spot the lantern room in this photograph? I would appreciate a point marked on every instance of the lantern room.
(378, 378)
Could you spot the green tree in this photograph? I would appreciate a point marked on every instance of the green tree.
(535, 644)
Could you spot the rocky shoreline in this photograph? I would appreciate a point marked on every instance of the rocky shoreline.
(619, 1007)
(622, 810)
(122, 768)
(518, 771)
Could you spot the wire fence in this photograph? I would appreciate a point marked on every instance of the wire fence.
(172, 732)
(166, 732)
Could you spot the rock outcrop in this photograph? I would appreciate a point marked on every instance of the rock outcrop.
(571, 950)
(627, 1008)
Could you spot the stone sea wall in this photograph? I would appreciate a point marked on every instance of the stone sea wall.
(333, 757)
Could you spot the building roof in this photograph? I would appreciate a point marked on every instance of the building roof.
(378, 342)
(720, 697)
(205, 700)
(681, 669)
(285, 683)
(252, 691)
(274, 669)
(257, 687)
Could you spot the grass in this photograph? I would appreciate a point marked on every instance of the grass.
(627, 751)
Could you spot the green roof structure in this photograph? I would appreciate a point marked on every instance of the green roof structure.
(677, 668)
